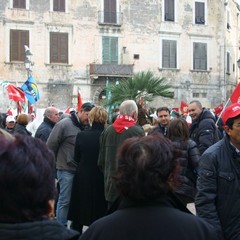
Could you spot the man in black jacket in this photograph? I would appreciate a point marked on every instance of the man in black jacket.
(218, 191)
(51, 117)
(203, 130)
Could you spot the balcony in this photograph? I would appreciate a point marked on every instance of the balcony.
(110, 18)
(116, 70)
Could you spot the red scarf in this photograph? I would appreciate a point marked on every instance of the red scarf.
(123, 122)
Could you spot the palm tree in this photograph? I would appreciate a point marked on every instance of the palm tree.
(143, 86)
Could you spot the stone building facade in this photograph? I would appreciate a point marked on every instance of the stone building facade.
(84, 43)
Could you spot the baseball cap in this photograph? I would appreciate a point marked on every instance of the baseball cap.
(87, 106)
(230, 112)
(10, 119)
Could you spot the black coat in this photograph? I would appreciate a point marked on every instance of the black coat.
(87, 199)
(38, 230)
(149, 221)
(188, 160)
(218, 185)
(203, 131)
(44, 129)
(21, 129)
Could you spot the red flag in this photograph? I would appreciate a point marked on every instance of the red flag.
(175, 109)
(9, 112)
(218, 109)
(16, 94)
(67, 110)
(235, 96)
(79, 100)
(184, 107)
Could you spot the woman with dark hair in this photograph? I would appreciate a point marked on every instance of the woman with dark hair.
(87, 198)
(147, 173)
(27, 189)
(188, 153)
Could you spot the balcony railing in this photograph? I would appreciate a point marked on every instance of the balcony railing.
(121, 70)
(110, 18)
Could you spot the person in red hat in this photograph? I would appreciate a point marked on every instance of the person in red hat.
(218, 185)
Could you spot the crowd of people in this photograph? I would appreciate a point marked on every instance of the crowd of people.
(124, 180)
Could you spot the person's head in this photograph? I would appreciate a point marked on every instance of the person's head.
(10, 122)
(52, 114)
(164, 117)
(129, 108)
(5, 134)
(231, 121)
(84, 111)
(195, 109)
(98, 115)
(27, 179)
(178, 128)
(23, 119)
(146, 167)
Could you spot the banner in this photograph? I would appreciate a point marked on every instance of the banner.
(235, 96)
(15, 94)
(184, 107)
(31, 90)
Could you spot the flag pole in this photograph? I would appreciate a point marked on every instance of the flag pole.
(222, 111)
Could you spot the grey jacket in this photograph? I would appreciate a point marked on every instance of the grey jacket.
(62, 142)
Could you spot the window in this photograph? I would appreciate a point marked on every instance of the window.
(18, 38)
(110, 12)
(110, 50)
(58, 47)
(228, 20)
(169, 10)
(199, 56)
(199, 12)
(169, 55)
(204, 95)
(195, 95)
(59, 5)
(19, 4)
(228, 63)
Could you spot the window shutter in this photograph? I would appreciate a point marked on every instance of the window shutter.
(169, 10)
(228, 62)
(114, 50)
(18, 38)
(110, 50)
(169, 49)
(165, 56)
(58, 47)
(19, 4)
(64, 48)
(110, 11)
(105, 50)
(59, 5)
(199, 13)
(200, 56)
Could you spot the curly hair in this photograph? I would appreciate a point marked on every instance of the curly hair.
(146, 167)
(27, 180)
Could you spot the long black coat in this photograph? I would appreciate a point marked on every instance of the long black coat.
(87, 199)
(150, 221)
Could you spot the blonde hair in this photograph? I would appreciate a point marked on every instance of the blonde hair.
(98, 115)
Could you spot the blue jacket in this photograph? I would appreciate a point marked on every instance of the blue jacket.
(218, 189)
(203, 131)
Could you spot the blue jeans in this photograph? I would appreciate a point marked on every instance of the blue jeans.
(65, 179)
